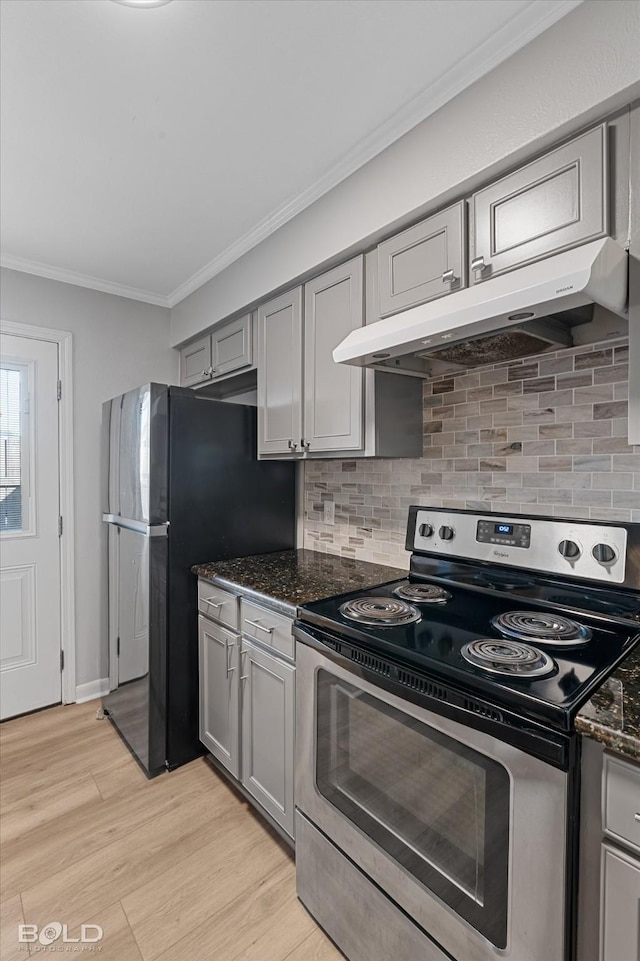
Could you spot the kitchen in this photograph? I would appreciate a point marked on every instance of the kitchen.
(548, 434)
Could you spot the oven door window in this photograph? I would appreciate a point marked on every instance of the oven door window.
(437, 807)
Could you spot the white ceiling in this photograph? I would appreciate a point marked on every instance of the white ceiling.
(144, 150)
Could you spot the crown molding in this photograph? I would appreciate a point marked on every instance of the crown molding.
(512, 36)
(82, 280)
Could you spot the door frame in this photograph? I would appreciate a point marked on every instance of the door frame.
(64, 340)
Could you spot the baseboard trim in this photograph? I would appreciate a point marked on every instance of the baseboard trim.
(91, 690)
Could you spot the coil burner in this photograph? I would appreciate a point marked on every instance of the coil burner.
(542, 627)
(423, 593)
(379, 611)
(508, 658)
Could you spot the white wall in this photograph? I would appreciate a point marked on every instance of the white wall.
(581, 68)
(118, 344)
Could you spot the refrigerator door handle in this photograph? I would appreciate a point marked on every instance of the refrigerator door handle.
(149, 530)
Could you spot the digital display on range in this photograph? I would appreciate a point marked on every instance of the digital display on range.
(503, 528)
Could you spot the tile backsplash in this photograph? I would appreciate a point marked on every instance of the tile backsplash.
(545, 435)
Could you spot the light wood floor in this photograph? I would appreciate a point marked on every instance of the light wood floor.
(177, 869)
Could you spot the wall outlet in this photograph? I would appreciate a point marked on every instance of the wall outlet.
(329, 512)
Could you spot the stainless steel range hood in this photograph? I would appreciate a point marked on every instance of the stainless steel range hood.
(523, 312)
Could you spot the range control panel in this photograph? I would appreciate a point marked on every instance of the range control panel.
(504, 532)
(571, 548)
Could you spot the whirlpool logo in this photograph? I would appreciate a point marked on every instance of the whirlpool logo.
(501, 554)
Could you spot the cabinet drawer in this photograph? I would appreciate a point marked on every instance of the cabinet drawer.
(424, 262)
(232, 346)
(265, 626)
(621, 801)
(218, 604)
(556, 202)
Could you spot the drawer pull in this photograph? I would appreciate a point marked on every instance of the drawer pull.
(637, 816)
(449, 277)
(478, 265)
(267, 630)
(212, 603)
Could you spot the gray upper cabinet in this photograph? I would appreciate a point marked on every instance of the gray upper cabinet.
(424, 262)
(268, 711)
(229, 349)
(280, 374)
(219, 704)
(554, 203)
(195, 361)
(333, 393)
(232, 346)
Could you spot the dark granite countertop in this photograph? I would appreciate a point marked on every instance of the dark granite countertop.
(612, 716)
(285, 579)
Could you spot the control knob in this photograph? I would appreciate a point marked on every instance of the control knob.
(569, 549)
(425, 530)
(604, 554)
(447, 533)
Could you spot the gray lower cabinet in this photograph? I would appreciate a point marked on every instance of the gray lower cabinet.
(551, 204)
(219, 704)
(280, 374)
(424, 262)
(620, 910)
(227, 350)
(620, 861)
(268, 712)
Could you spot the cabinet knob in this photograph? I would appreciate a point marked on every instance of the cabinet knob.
(205, 372)
(292, 445)
(449, 277)
(478, 264)
(304, 444)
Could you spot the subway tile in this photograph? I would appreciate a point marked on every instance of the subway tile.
(555, 365)
(595, 358)
(555, 463)
(603, 514)
(592, 428)
(555, 430)
(443, 386)
(618, 408)
(538, 480)
(510, 388)
(556, 398)
(480, 450)
(493, 376)
(521, 433)
(480, 393)
(544, 415)
(610, 375)
(523, 371)
(580, 412)
(611, 445)
(593, 462)
(480, 423)
(538, 448)
(621, 391)
(626, 499)
(591, 498)
(432, 427)
(579, 481)
(570, 381)
(613, 480)
(621, 354)
(508, 418)
(493, 464)
(537, 385)
(494, 435)
(579, 445)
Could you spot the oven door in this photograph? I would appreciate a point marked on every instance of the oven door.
(467, 834)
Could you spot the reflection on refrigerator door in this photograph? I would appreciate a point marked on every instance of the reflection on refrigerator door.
(133, 613)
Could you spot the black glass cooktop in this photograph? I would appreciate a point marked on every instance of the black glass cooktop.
(435, 642)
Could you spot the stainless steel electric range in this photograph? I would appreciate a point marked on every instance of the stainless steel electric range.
(437, 766)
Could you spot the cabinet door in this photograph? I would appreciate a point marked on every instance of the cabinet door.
(268, 711)
(232, 346)
(556, 202)
(424, 262)
(219, 685)
(333, 393)
(620, 910)
(195, 361)
(280, 374)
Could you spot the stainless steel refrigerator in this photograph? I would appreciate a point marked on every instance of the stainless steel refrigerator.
(181, 486)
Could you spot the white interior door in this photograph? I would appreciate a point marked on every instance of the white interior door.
(30, 669)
